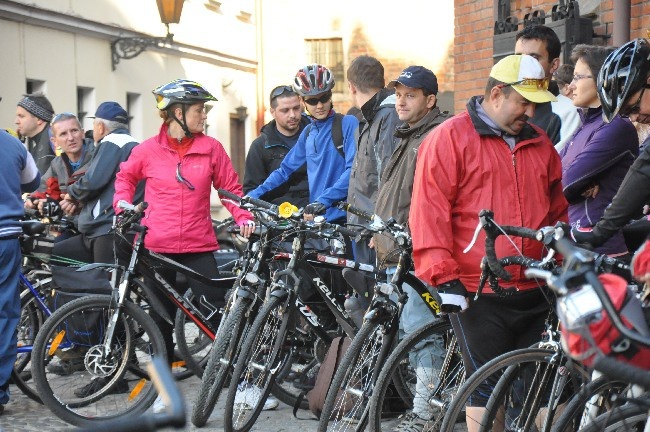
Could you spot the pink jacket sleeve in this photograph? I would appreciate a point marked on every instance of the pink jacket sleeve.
(225, 177)
(128, 177)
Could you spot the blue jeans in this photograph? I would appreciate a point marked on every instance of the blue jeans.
(427, 356)
(9, 311)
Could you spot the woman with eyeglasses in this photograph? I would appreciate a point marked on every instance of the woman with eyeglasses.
(181, 165)
(597, 157)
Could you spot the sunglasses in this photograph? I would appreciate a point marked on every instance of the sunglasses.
(634, 109)
(62, 116)
(323, 99)
(530, 83)
(280, 90)
(181, 179)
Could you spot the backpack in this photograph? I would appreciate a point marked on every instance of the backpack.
(337, 133)
(584, 338)
(317, 395)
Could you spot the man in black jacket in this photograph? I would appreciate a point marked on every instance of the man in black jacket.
(276, 139)
(33, 115)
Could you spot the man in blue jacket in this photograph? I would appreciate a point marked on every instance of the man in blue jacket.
(328, 169)
(18, 174)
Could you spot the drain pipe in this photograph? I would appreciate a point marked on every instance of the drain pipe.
(621, 22)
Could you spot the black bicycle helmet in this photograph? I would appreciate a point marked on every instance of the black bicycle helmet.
(181, 91)
(623, 74)
(312, 80)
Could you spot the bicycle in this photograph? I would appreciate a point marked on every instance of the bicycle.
(623, 402)
(263, 354)
(528, 387)
(118, 336)
(347, 404)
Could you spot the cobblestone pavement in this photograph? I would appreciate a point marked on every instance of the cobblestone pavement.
(22, 414)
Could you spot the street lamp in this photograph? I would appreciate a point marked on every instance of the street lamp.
(130, 47)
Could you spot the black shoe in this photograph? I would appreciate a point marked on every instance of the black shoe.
(121, 386)
(66, 367)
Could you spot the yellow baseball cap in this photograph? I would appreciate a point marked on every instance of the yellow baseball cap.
(525, 75)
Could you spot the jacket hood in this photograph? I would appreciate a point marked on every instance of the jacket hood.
(384, 98)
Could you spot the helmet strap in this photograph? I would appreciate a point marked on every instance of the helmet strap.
(183, 123)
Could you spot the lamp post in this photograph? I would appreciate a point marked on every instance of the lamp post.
(130, 47)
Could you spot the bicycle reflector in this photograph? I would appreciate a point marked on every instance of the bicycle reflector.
(587, 329)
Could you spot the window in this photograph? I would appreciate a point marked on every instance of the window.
(329, 53)
(35, 86)
(133, 107)
(85, 102)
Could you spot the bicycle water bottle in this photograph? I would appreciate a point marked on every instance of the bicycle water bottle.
(354, 308)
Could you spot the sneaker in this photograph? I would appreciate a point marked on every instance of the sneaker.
(412, 423)
(121, 386)
(66, 367)
(248, 395)
(71, 353)
(158, 405)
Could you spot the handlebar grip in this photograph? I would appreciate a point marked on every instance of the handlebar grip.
(356, 211)
(521, 232)
(31, 212)
(493, 261)
(622, 371)
(347, 231)
(227, 194)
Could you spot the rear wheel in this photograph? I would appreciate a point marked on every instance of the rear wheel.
(98, 384)
(352, 385)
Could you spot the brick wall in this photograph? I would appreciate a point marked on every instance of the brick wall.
(474, 28)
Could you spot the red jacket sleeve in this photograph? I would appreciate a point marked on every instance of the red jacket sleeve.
(430, 218)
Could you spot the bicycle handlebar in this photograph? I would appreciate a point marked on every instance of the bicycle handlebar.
(247, 199)
(492, 231)
(618, 370)
(347, 207)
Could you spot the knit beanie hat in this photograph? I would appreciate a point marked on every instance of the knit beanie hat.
(38, 105)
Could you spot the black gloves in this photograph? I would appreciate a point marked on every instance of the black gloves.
(453, 295)
(315, 208)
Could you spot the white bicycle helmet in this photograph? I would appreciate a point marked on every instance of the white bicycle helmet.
(312, 80)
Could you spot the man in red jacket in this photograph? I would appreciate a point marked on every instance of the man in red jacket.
(488, 157)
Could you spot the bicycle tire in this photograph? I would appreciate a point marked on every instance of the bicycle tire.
(523, 398)
(629, 417)
(351, 386)
(269, 329)
(220, 363)
(135, 342)
(388, 400)
(496, 365)
(31, 320)
(592, 400)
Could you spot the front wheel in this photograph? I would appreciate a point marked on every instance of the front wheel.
(85, 379)
(262, 355)
(420, 377)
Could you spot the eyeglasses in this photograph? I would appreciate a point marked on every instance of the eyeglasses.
(62, 116)
(578, 77)
(323, 99)
(280, 90)
(181, 179)
(530, 83)
(634, 109)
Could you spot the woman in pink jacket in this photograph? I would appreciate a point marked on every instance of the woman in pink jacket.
(181, 165)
